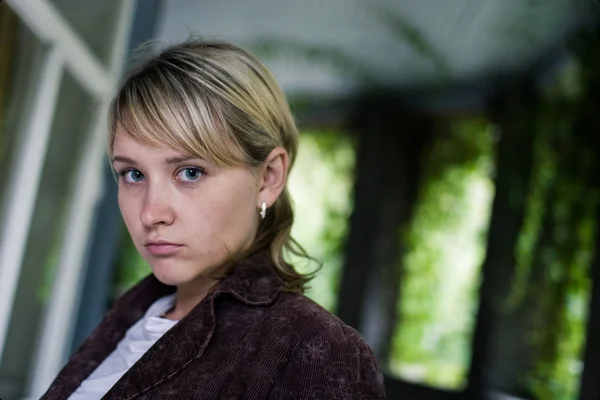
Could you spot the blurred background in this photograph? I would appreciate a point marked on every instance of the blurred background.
(448, 178)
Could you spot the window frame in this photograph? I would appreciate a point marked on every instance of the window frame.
(64, 51)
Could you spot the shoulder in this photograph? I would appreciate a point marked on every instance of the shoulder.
(332, 357)
(301, 314)
(330, 343)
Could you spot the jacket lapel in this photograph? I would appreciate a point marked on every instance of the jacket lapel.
(182, 344)
(104, 339)
(253, 282)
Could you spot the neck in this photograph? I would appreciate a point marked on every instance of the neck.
(189, 295)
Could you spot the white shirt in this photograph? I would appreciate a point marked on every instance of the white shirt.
(138, 339)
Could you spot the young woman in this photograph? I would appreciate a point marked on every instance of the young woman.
(202, 141)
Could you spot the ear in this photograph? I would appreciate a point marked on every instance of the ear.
(273, 176)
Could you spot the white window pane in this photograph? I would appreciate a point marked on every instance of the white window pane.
(21, 60)
(69, 130)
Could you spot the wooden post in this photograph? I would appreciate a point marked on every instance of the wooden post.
(498, 344)
(391, 142)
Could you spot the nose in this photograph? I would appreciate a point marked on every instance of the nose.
(156, 209)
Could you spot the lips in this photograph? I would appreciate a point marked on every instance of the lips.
(162, 247)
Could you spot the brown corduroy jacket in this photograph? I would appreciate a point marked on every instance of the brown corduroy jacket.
(246, 340)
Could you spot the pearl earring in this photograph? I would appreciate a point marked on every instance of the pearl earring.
(263, 210)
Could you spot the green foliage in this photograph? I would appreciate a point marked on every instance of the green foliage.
(544, 171)
(556, 245)
(563, 254)
(131, 267)
(48, 274)
(321, 186)
(445, 247)
(52, 258)
(562, 247)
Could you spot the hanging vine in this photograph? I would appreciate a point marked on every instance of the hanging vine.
(555, 246)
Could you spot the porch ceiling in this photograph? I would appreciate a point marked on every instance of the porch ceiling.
(332, 46)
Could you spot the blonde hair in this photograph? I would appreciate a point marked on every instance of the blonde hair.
(214, 100)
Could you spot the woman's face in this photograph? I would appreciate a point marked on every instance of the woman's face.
(185, 216)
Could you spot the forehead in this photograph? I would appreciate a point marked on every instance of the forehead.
(124, 143)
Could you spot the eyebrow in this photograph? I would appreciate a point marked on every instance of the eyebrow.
(179, 159)
(170, 160)
(123, 159)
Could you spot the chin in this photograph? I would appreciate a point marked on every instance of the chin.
(171, 273)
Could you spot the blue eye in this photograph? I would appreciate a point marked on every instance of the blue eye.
(132, 176)
(190, 174)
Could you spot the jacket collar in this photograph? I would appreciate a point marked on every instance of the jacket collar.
(252, 281)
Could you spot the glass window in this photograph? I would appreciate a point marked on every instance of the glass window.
(20, 55)
(94, 21)
(68, 132)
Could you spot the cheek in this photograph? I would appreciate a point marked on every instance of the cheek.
(216, 214)
(227, 216)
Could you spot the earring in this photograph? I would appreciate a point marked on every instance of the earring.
(263, 210)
